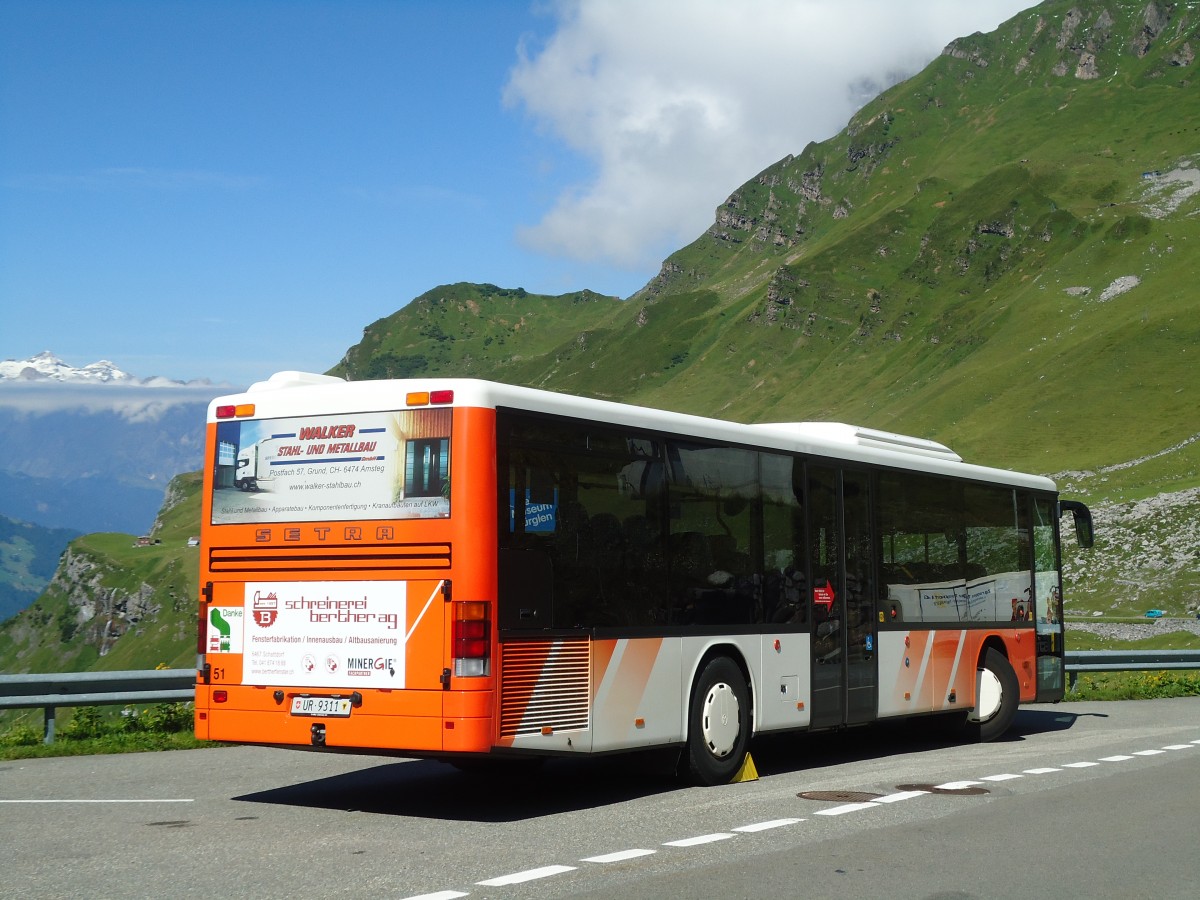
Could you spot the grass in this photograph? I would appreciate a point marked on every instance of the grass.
(1135, 685)
(1171, 640)
(119, 743)
(90, 731)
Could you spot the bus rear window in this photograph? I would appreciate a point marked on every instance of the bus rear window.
(392, 465)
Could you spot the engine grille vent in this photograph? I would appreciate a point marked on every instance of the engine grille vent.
(545, 684)
(333, 558)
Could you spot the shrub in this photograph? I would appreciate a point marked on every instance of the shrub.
(21, 735)
(167, 718)
(86, 722)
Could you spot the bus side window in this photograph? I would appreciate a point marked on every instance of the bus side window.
(526, 565)
(785, 584)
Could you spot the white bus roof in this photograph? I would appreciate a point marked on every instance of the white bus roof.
(292, 394)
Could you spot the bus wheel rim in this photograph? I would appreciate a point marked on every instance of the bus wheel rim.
(720, 723)
(990, 695)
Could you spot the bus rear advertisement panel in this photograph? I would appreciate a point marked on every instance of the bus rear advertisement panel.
(392, 465)
(317, 634)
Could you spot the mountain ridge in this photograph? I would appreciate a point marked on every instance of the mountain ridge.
(46, 367)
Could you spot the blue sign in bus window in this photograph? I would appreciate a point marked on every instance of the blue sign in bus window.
(540, 518)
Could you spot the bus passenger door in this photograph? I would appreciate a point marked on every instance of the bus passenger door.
(844, 676)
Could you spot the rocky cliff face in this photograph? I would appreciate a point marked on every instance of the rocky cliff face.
(115, 598)
(97, 613)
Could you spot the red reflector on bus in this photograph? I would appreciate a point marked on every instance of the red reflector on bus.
(441, 397)
(240, 411)
(471, 640)
(220, 696)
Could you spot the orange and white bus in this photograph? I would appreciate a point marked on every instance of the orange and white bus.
(456, 568)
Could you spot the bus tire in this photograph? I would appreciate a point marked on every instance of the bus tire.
(718, 723)
(996, 697)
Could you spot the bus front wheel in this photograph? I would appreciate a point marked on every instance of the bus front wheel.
(996, 696)
(718, 723)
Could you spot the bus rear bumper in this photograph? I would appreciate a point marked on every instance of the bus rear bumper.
(421, 722)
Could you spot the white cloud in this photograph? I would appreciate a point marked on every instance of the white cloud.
(136, 403)
(677, 102)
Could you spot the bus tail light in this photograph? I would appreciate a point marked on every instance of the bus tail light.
(429, 398)
(241, 411)
(472, 638)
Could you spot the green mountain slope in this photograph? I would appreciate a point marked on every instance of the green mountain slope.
(113, 604)
(28, 554)
(472, 330)
(996, 253)
(951, 265)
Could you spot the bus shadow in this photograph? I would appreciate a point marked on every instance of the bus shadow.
(780, 754)
(1045, 719)
(499, 793)
(515, 791)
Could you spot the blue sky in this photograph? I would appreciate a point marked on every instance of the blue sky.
(225, 189)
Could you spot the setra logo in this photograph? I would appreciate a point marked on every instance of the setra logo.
(266, 609)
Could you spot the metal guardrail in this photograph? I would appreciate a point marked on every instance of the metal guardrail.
(1077, 661)
(49, 691)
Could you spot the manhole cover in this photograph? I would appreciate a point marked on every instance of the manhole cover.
(839, 796)
(969, 791)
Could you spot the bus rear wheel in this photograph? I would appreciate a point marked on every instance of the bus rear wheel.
(718, 723)
(996, 697)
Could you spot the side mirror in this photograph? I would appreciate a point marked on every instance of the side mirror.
(1084, 532)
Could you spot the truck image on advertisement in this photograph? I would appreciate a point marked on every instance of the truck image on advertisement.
(253, 471)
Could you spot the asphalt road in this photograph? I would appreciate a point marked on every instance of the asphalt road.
(1083, 800)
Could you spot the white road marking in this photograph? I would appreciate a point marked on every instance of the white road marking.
(1117, 758)
(1045, 770)
(1178, 747)
(846, 808)
(702, 839)
(903, 795)
(1080, 765)
(1148, 752)
(1004, 777)
(767, 826)
(527, 875)
(958, 785)
(440, 895)
(619, 856)
(99, 801)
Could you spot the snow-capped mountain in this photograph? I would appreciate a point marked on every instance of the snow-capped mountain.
(45, 367)
(92, 448)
